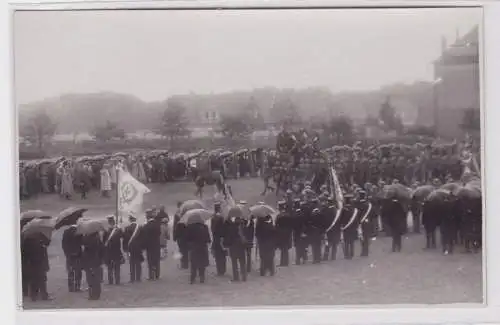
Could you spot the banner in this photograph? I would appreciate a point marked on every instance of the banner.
(339, 197)
(130, 193)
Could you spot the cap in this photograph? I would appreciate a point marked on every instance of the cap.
(131, 218)
(217, 204)
(110, 218)
(281, 204)
(242, 202)
(331, 199)
(289, 191)
(261, 202)
(316, 211)
(297, 200)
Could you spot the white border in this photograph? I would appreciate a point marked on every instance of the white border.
(289, 316)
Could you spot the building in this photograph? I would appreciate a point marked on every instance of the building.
(457, 84)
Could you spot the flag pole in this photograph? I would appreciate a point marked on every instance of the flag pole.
(118, 216)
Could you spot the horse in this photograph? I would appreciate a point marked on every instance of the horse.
(215, 178)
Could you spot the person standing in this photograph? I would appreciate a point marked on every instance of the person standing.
(179, 237)
(394, 213)
(299, 235)
(133, 245)
(333, 231)
(349, 223)
(265, 233)
(284, 229)
(365, 229)
(234, 241)
(72, 248)
(217, 228)
(249, 234)
(36, 250)
(152, 233)
(113, 256)
(92, 260)
(198, 239)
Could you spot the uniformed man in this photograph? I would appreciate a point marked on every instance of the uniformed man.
(152, 234)
(265, 233)
(92, 260)
(217, 228)
(299, 236)
(235, 242)
(395, 214)
(72, 248)
(333, 230)
(133, 245)
(349, 222)
(365, 229)
(284, 229)
(113, 257)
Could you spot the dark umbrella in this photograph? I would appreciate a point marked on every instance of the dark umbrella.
(68, 217)
(421, 192)
(439, 194)
(466, 192)
(29, 215)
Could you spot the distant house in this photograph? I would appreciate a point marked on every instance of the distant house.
(457, 85)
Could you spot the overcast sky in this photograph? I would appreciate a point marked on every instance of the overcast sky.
(155, 54)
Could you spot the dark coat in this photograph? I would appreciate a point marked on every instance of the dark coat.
(284, 229)
(151, 235)
(249, 232)
(198, 239)
(265, 232)
(349, 228)
(217, 228)
(133, 246)
(93, 251)
(233, 236)
(395, 214)
(35, 251)
(179, 229)
(113, 246)
(72, 243)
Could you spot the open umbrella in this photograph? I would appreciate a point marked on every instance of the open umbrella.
(87, 227)
(466, 192)
(29, 215)
(474, 184)
(262, 210)
(68, 217)
(38, 226)
(451, 186)
(439, 195)
(421, 192)
(191, 205)
(238, 211)
(196, 216)
(398, 191)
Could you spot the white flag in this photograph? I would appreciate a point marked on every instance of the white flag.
(336, 189)
(130, 193)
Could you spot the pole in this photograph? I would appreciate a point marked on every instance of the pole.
(118, 216)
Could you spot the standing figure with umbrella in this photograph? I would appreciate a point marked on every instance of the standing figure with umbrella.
(197, 238)
(395, 214)
(235, 242)
(133, 245)
(72, 246)
(36, 236)
(266, 239)
(217, 228)
(113, 257)
(284, 229)
(26, 217)
(93, 254)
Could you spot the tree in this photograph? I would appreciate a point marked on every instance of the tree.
(174, 122)
(341, 127)
(286, 112)
(255, 117)
(39, 129)
(235, 126)
(471, 121)
(421, 131)
(108, 131)
(390, 120)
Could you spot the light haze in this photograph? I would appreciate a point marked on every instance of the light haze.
(156, 54)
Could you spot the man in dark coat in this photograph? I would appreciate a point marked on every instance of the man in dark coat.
(198, 239)
(235, 241)
(299, 235)
(265, 233)
(113, 257)
(36, 254)
(349, 221)
(284, 229)
(133, 246)
(151, 240)
(314, 231)
(92, 260)
(179, 237)
(395, 214)
(333, 230)
(249, 234)
(365, 230)
(72, 248)
(162, 214)
(217, 228)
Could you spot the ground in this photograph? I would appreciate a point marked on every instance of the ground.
(414, 276)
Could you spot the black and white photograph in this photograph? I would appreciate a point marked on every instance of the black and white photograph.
(249, 158)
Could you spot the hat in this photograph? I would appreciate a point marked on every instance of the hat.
(281, 204)
(261, 202)
(110, 218)
(316, 211)
(296, 200)
(289, 191)
(217, 204)
(149, 214)
(331, 199)
(242, 202)
(131, 218)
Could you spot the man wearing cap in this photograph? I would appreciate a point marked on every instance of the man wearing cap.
(333, 230)
(314, 233)
(265, 233)
(152, 235)
(113, 257)
(234, 241)
(299, 236)
(365, 229)
(284, 228)
(349, 222)
(133, 246)
(217, 228)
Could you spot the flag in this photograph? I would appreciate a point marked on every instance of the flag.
(336, 188)
(130, 193)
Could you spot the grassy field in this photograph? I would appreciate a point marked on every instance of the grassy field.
(414, 276)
